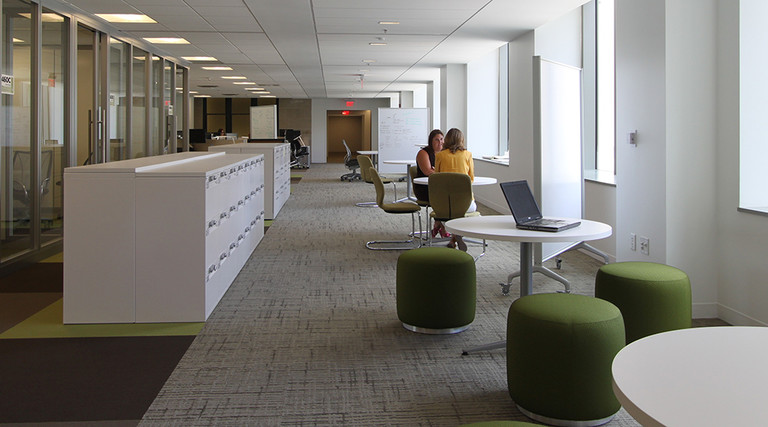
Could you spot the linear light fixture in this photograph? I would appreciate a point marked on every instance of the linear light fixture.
(260, 92)
(202, 96)
(217, 68)
(15, 40)
(199, 58)
(377, 44)
(369, 61)
(389, 22)
(124, 18)
(254, 88)
(234, 77)
(243, 83)
(267, 96)
(166, 40)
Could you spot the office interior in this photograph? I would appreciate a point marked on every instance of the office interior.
(78, 90)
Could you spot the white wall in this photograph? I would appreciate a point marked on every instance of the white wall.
(320, 108)
(453, 100)
(482, 131)
(640, 105)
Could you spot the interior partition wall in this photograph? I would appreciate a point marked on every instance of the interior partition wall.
(73, 94)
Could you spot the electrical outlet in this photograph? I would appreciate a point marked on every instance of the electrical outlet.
(645, 245)
(632, 241)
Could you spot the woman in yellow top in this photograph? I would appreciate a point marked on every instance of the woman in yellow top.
(455, 157)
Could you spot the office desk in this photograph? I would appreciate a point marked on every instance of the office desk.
(502, 227)
(408, 164)
(695, 377)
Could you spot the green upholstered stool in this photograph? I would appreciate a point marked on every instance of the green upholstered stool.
(501, 424)
(652, 297)
(436, 290)
(559, 353)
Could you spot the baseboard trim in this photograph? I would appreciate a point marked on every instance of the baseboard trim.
(737, 318)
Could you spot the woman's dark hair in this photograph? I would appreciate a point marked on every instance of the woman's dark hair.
(454, 141)
(432, 136)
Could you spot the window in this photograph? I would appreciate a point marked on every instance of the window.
(606, 129)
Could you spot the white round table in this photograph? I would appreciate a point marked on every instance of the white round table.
(407, 164)
(712, 376)
(479, 180)
(503, 227)
(372, 153)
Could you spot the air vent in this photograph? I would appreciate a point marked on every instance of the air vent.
(207, 86)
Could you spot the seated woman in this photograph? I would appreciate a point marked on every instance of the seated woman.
(425, 162)
(456, 158)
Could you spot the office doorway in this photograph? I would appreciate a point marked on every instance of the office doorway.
(354, 127)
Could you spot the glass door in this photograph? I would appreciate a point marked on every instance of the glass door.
(118, 69)
(17, 154)
(90, 115)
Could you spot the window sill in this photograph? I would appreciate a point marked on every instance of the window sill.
(763, 211)
(601, 177)
(503, 162)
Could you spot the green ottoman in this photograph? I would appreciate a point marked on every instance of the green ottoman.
(559, 353)
(436, 290)
(652, 297)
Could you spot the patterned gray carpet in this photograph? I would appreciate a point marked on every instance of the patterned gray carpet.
(308, 333)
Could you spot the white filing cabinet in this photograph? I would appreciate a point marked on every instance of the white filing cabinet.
(196, 225)
(102, 209)
(277, 170)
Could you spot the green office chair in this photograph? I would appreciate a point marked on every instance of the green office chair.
(365, 165)
(450, 195)
(394, 208)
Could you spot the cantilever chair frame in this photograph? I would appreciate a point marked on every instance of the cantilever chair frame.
(366, 164)
(412, 172)
(450, 195)
(394, 208)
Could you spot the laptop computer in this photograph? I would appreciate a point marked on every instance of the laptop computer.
(526, 211)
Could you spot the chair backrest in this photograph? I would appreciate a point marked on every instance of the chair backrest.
(365, 165)
(376, 180)
(450, 194)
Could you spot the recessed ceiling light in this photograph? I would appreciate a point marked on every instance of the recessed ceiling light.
(377, 44)
(267, 96)
(254, 88)
(126, 18)
(260, 92)
(234, 77)
(368, 61)
(166, 40)
(218, 68)
(243, 83)
(389, 22)
(192, 91)
(179, 88)
(199, 58)
(364, 70)
(46, 17)
(15, 40)
(202, 96)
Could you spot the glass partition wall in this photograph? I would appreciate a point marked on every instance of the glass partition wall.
(72, 95)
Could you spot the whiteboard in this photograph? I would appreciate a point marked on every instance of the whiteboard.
(264, 122)
(558, 185)
(401, 130)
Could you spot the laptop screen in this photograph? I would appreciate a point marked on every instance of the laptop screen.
(520, 200)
